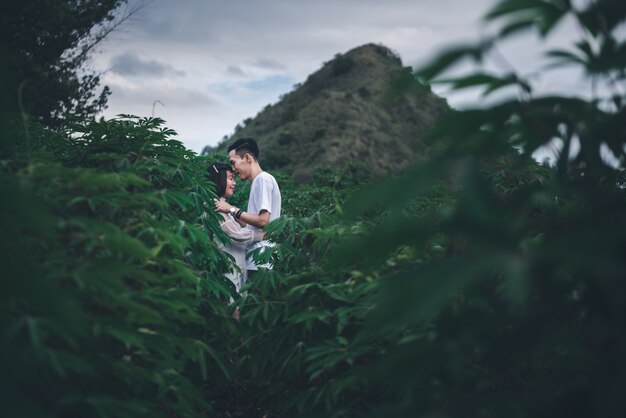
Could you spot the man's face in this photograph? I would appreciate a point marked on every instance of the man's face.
(240, 166)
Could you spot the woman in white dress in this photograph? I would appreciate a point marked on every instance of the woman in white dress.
(240, 237)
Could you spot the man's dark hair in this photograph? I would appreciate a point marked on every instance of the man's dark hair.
(245, 146)
(217, 174)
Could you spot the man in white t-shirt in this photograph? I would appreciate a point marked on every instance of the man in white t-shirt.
(264, 202)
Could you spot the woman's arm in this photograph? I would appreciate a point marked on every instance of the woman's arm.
(239, 234)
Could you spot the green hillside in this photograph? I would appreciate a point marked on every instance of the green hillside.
(363, 105)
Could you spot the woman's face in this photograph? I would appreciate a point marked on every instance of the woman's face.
(230, 184)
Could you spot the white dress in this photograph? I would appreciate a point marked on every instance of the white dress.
(240, 239)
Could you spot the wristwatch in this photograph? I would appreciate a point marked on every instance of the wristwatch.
(232, 210)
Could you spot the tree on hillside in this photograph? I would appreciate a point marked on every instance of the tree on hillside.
(45, 45)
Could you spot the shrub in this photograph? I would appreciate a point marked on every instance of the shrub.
(116, 300)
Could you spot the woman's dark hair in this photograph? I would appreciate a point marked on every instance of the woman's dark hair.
(217, 174)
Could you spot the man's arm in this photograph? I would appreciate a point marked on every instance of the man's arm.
(258, 221)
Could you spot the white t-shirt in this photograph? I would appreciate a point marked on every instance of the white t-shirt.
(264, 195)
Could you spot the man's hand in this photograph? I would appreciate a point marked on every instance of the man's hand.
(221, 206)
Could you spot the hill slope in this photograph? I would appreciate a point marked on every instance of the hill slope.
(361, 106)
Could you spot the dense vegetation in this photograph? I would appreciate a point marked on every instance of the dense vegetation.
(479, 283)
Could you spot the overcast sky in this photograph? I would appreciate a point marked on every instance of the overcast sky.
(205, 65)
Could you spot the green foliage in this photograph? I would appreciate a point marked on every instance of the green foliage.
(46, 44)
(115, 304)
(342, 64)
(479, 283)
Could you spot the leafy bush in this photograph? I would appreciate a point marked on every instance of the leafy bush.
(342, 65)
(116, 301)
(480, 283)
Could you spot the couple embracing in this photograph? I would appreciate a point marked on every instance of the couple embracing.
(245, 226)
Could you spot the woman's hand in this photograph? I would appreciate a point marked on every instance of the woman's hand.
(221, 206)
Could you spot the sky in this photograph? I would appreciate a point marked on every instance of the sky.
(206, 65)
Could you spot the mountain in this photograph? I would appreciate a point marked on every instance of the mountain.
(363, 105)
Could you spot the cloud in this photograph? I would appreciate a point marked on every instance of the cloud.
(214, 63)
(271, 84)
(129, 64)
(235, 70)
(142, 96)
(224, 61)
(269, 64)
(199, 117)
